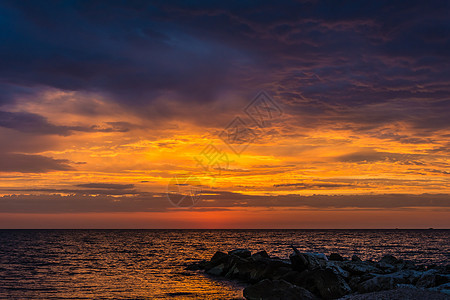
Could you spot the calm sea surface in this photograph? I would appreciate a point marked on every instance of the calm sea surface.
(149, 264)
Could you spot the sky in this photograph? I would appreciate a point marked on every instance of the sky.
(235, 114)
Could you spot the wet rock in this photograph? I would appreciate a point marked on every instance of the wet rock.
(235, 265)
(304, 261)
(356, 258)
(216, 260)
(323, 283)
(260, 255)
(276, 290)
(337, 269)
(378, 283)
(443, 288)
(218, 255)
(404, 276)
(389, 259)
(244, 253)
(354, 282)
(431, 279)
(336, 257)
(360, 267)
(216, 270)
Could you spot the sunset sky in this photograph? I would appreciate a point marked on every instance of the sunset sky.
(104, 103)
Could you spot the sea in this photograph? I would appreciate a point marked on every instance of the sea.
(150, 264)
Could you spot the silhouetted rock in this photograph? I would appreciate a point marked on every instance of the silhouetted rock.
(336, 257)
(356, 258)
(307, 275)
(216, 270)
(378, 283)
(325, 283)
(276, 290)
(389, 259)
(432, 278)
(260, 255)
(360, 267)
(218, 255)
(305, 261)
(244, 253)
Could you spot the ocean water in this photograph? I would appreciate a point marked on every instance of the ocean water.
(149, 264)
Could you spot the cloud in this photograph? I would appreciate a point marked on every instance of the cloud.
(312, 186)
(211, 201)
(26, 163)
(328, 63)
(36, 124)
(110, 186)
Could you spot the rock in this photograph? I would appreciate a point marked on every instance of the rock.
(324, 283)
(336, 257)
(404, 276)
(387, 268)
(217, 260)
(360, 267)
(431, 279)
(260, 255)
(304, 261)
(354, 282)
(407, 265)
(244, 253)
(255, 270)
(217, 255)
(319, 256)
(276, 290)
(299, 262)
(236, 265)
(356, 258)
(378, 283)
(443, 288)
(217, 270)
(337, 269)
(389, 259)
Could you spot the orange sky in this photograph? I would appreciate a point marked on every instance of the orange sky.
(284, 159)
(111, 115)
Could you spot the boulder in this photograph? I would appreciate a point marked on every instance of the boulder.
(337, 269)
(216, 270)
(387, 268)
(276, 290)
(304, 261)
(360, 267)
(378, 283)
(443, 288)
(404, 276)
(244, 253)
(217, 260)
(431, 279)
(260, 255)
(236, 267)
(389, 259)
(336, 257)
(356, 258)
(324, 283)
(218, 255)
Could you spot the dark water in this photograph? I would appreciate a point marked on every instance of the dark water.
(149, 264)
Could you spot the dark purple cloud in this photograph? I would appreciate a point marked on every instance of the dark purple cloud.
(26, 163)
(356, 64)
(37, 124)
(148, 202)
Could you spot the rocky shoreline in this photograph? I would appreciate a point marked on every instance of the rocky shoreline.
(317, 276)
